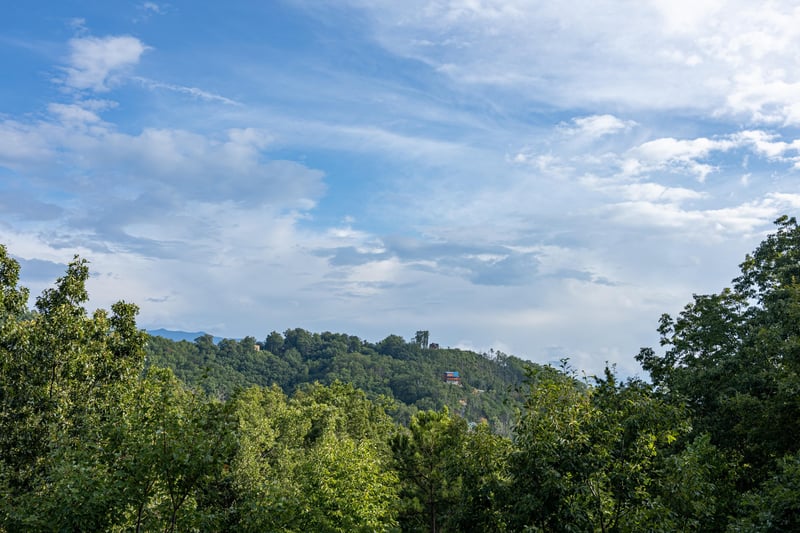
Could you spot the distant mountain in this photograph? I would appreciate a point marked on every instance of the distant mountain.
(180, 335)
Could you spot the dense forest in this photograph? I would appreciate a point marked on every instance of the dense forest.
(104, 428)
(403, 376)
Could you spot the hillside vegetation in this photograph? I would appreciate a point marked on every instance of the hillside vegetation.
(404, 376)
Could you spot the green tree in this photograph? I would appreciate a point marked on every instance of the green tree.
(263, 468)
(62, 375)
(426, 457)
(348, 486)
(174, 445)
(317, 462)
(274, 343)
(697, 485)
(734, 357)
(774, 506)
(87, 443)
(345, 472)
(483, 466)
(587, 458)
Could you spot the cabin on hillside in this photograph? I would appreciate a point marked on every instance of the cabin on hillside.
(452, 377)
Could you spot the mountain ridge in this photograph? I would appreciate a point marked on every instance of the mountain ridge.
(179, 335)
(407, 375)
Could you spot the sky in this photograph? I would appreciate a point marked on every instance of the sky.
(541, 178)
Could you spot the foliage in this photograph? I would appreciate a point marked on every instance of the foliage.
(587, 458)
(735, 356)
(317, 462)
(775, 506)
(403, 372)
(426, 457)
(62, 376)
(174, 445)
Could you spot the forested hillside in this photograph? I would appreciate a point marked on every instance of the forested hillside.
(404, 376)
(95, 438)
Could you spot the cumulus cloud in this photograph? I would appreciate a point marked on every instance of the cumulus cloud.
(713, 223)
(115, 185)
(599, 125)
(204, 167)
(680, 154)
(636, 192)
(73, 113)
(767, 144)
(767, 99)
(669, 149)
(95, 62)
(688, 155)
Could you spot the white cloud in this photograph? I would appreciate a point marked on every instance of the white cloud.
(786, 201)
(688, 154)
(643, 192)
(152, 7)
(765, 143)
(94, 62)
(21, 144)
(669, 149)
(687, 16)
(713, 223)
(73, 113)
(78, 25)
(677, 154)
(132, 188)
(735, 57)
(767, 99)
(599, 125)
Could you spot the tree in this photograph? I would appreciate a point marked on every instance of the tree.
(264, 464)
(482, 464)
(316, 462)
(348, 486)
(697, 485)
(775, 506)
(587, 458)
(734, 357)
(426, 456)
(174, 445)
(62, 375)
(274, 343)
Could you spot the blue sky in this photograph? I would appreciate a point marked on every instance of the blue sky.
(543, 178)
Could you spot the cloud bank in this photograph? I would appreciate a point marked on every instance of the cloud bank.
(542, 178)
